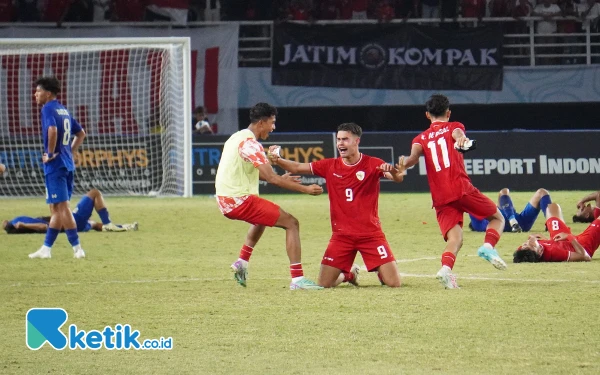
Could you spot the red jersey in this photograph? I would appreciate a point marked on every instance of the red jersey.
(556, 251)
(448, 180)
(353, 193)
(559, 251)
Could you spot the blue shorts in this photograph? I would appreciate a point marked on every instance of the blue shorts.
(525, 218)
(83, 212)
(59, 186)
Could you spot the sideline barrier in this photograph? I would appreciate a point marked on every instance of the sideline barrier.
(520, 160)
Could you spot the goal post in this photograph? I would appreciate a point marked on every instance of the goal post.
(133, 97)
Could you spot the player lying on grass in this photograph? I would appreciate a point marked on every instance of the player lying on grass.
(82, 213)
(585, 212)
(353, 191)
(562, 245)
(516, 222)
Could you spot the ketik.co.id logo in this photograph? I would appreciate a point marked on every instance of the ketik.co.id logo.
(43, 325)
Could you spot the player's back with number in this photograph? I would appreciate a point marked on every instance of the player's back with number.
(55, 114)
(448, 179)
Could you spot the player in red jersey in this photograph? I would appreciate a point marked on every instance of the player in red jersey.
(563, 246)
(585, 212)
(353, 190)
(451, 188)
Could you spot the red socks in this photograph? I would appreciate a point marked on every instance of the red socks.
(296, 270)
(246, 252)
(348, 276)
(448, 259)
(492, 237)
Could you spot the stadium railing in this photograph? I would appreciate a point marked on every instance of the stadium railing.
(522, 45)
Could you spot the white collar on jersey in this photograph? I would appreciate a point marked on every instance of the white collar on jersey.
(352, 165)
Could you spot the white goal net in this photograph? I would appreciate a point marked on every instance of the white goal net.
(132, 96)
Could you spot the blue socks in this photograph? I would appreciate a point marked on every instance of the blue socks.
(544, 202)
(506, 206)
(103, 213)
(51, 235)
(72, 237)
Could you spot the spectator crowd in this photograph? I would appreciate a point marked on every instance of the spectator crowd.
(182, 11)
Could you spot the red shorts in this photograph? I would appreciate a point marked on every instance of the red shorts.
(342, 249)
(451, 214)
(256, 211)
(556, 226)
(590, 237)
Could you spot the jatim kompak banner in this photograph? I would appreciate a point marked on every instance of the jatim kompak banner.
(392, 56)
(119, 91)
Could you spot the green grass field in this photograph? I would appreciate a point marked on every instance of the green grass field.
(172, 278)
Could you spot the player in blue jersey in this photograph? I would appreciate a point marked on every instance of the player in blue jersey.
(513, 221)
(62, 136)
(82, 213)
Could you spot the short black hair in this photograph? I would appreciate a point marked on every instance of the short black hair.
(49, 84)
(261, 111)
(525, 256)
(350, 127)
(437, 105)
(582, 219)
(199, 109)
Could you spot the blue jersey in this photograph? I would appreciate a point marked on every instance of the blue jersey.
(29, 220)
(55, 114)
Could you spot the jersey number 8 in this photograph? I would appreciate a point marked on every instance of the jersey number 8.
(67, 129)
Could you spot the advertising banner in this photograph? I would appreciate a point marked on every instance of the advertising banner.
(521, 161)
(105, 163)
(388, 56)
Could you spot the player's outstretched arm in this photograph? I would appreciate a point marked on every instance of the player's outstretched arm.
(392, 173)
(37, 228)
(415, 152)
(580, 254)
(2, 168)
(289, 165)
(267, 174)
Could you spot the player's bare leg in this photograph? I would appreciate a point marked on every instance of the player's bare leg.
(389, 275)
(294, 252)
(330, 277)
(254, 234)
(554, 210)
(492, 235)
(454, 241)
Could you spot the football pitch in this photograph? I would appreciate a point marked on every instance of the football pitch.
(172, 279)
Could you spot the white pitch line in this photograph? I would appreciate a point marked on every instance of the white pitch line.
(195, 279)
(506, 279)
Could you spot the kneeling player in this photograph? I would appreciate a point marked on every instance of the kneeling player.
(563, 246)
(353, 190)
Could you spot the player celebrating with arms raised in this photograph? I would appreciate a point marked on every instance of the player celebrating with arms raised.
(242, 162)
(353, 189)
(451, 188)
(58, 127)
